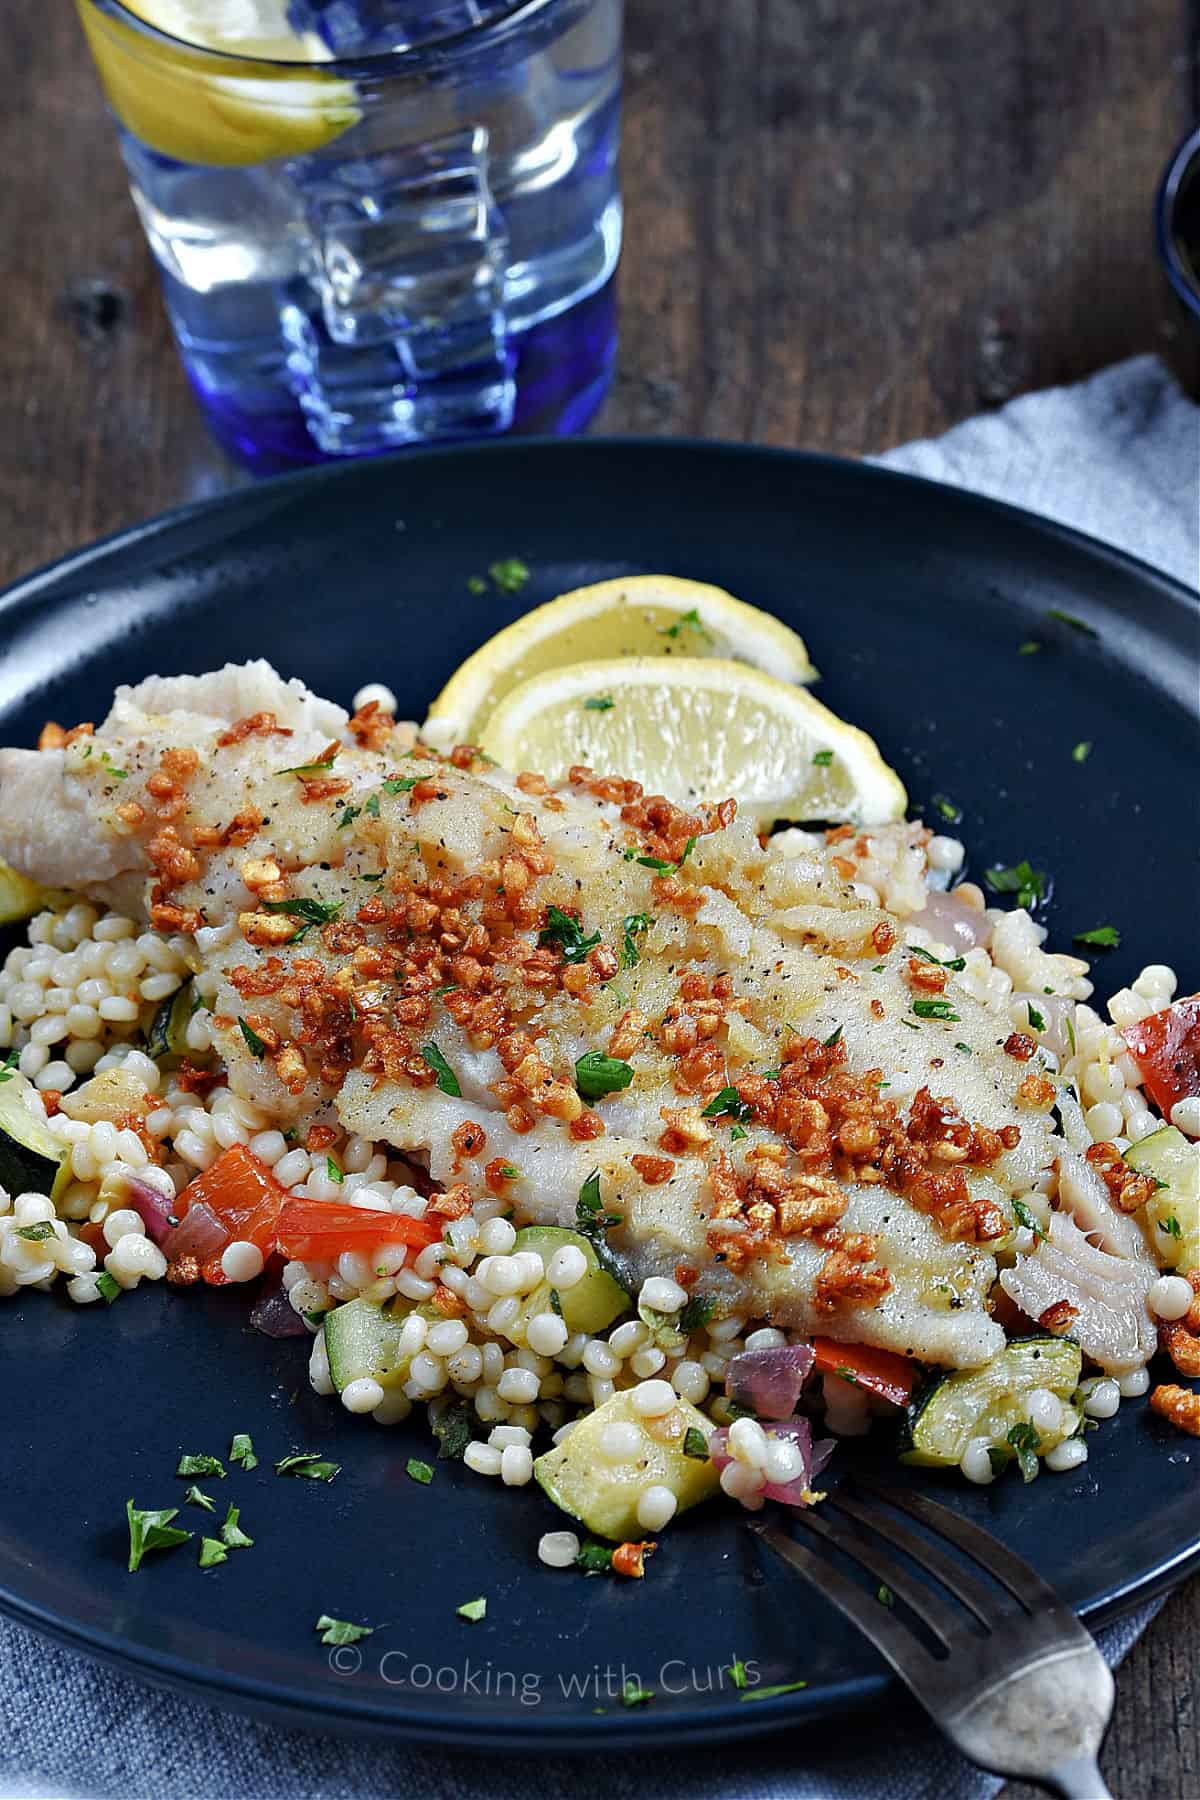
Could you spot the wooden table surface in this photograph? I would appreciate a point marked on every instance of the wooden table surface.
(850, 222)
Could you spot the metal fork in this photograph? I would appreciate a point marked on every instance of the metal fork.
(1023, 1690)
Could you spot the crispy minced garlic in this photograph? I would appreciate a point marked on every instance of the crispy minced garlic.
(1180, 1406)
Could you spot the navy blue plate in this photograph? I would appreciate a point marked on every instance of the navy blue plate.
(914, 600)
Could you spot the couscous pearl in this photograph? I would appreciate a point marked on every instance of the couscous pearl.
(600, 1389)
(531, 1270)
(627, 1338)
(319, 1377)
(656, 1507)
(748, 1442)
(375, 693)
(428, 1372)
(83, 1289)
(690, 1382)
(1044, 1410)
(483, 1458)
(739, 1481)
(520, 1386)
(723, 1330)
(647, 1361)
(1134, 1384)
(599, 1360)
(1067, 1455)
(558, 1549)
(1157, 981)
(503, 1435)
(566, 1268)
(242, 1261)
(784, 1460)
(502, 1318)
(497, 1237)
(446, 1337)
(135, 1258)
(1185, 1115)
(363, 1395)
(650, 1399)
(1104, 1120)
(516, 1465)
(619, 1441)
(500, 1275)
(546, 1334)
(766, 1338)
(1170, 1297)
(393, 1408)
(118, 1225)
(661, 1294)
(1103, 1399)
(976, 1464)
(465, 1366)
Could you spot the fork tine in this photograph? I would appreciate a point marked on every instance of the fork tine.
(973, 1595)
(1024, 1583)
(944, 1621)
(906, 1654)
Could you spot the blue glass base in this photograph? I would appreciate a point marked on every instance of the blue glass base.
(562, 368)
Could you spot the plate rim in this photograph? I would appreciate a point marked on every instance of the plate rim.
(340, 1709)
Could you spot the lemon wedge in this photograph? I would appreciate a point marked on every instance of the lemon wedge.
(698, 728)
(231, 113)
(639, 615)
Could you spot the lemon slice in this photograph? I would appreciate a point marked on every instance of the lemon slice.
(183, 103)
(696, 728)
(638, 615)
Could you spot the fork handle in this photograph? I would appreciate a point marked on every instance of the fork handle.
(1078, 1780)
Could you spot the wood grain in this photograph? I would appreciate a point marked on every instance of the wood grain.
(850, 222)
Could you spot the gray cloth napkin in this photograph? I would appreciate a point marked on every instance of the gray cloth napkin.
(1119, 456)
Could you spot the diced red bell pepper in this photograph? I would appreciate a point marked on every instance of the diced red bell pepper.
(879, 1372)
(319, 1230)
(1166, 1048)
(244, 1195)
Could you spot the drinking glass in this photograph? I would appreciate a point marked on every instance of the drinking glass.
(398, 227)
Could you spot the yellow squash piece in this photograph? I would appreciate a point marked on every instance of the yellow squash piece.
(603, 1495)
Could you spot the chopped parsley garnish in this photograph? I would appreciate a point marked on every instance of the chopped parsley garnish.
(833, 1038)
(1171, 1227)
(110, 769)
(452, 1429)
(999, 1458)
(564, 929)
(947, 808)
(416, 1470)
(308, 1465)
(965, 1048)
(692, 618)
(695, 1444)
(472, 1610)
(727, 1104)
(309, 771)
(241, 1450)
(212, 1552)
(936, 1009)
(1071, 1033)
(509, 1172)
(341, 1631)
(333, 1172)
(1104, 937)
(1030, 647)
(1026, 1442)
(1025, 1216)
(1082, 750)
(232, 1533)
(108, 1287)
(1028, 884)
(822, 759)
(769, 1693)
(254, 1043)
(656, 862)
(885, 1596)
(36, 1234)
(594, 1558)
(590, 1217)
(400, 784)
(151, 1530)
(556, 1302)
(912, 1026)
(738, 1131)
(634, 1694)
(372, 807)
(1071, 619)
(599, 703)
(349, 814)
(951, 962)
(631, 926)
(201, 1465)
(476, 584)
(597, 1074)
(194, 1497)
(447, 1080)
(698, 1311)
(509, 574)
(309, 912)
(738, 1673)
(8, 1067)
(1036, 1019)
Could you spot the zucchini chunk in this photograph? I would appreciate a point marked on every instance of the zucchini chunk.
(32, 1161)
(1174, 1212)
(363, 1339)
(986, 1402)
(604, 1495)
(20, 898)
(166, 1039)
(593, 1303)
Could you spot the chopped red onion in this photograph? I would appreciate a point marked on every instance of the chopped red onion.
(274, 1315)
(154, 1209)
(200, 1234)
(788, 1493)
(769, 1381)
(953, 921)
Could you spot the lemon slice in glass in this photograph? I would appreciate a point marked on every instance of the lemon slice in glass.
(638, 615)
(185, 103)
(696, 728)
